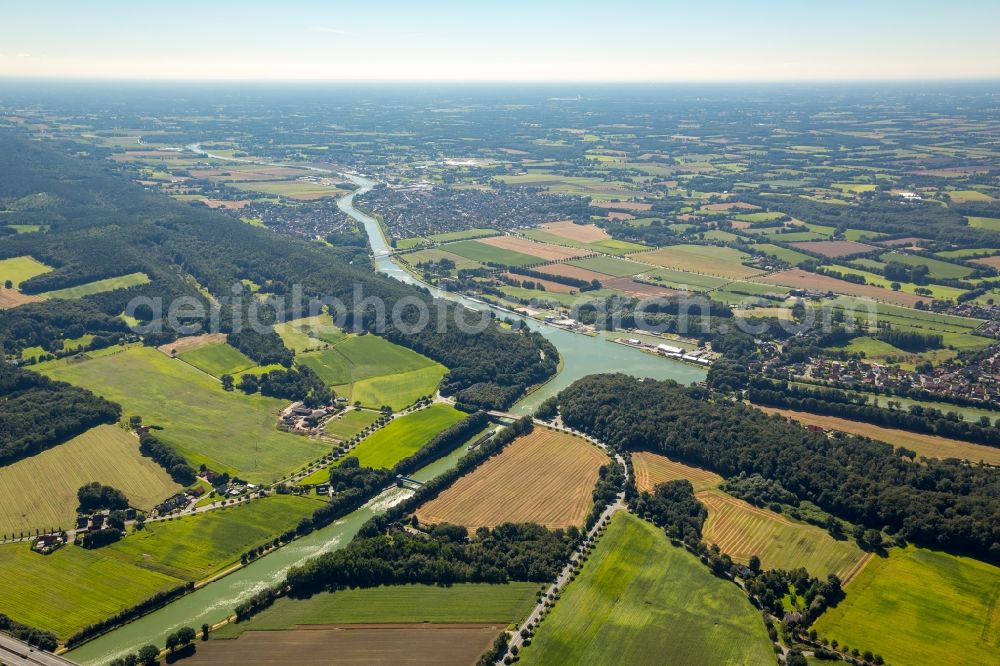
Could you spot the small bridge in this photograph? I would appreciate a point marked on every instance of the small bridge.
(402, 480)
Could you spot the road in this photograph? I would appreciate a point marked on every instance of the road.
(17, 653)
(567, 571)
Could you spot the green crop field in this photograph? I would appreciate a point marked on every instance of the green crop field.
(483, 253)
(21, 269)
(436, 254)
(466, 603)
(938, 269)
(228, 431)
(405, 435)
(217, 359)
(991, 223)
(608, 266)
(465, 234)
(684, 280)
(374, 371)
(350, 423)
(640, 600)
(920, 606)
(40, 491)
(99, 286)
(759, 217)
(398, 390)
(195, 547)
(66, 590)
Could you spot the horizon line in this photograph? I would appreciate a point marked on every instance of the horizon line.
(291, 81)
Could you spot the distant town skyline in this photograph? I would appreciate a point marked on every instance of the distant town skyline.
(643, 40)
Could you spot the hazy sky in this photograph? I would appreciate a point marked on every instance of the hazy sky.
(656, 40)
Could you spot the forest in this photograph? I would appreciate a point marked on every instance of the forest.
(939, 504)
(37, 412)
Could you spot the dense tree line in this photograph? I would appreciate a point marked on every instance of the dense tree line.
(759, 491)
(936, 503)
(582, 285)
(509, 552)
(158, 600)
(264, 348)
(95, 496)
(354, 485)
(37, 413)
(300, 383)
(673, 506)
(100, 538)
(43, 640)
(164, 456)
(911, 341)
(832, 402)
(610, 480)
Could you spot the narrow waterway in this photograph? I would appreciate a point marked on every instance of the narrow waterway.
(581, 355)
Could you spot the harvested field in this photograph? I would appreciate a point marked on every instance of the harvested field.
(834, 248)
(190, 342)
(706, 259)
(618, 215)
(248, 173)
(400, 644)
(545, 477)
(992, 262)
(930, 446)
(40, 492)
(540, 250)
(568, 270)
(638, 289)
(585, 233)
(11, 298)
(800, 279)
(624, 205)
(742, 530)
(652, 469)
(556, 287)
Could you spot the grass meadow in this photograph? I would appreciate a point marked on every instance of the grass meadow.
(21, 269)
(405, 435)
(470, 603)
(228, 431)
(72, 587)
(640, 600)
(195, 547)
(217, 359)
(99, 286)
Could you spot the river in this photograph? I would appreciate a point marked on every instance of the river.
(581, 355)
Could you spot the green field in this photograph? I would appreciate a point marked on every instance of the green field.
(195, 547)
(920, 606)
(99, 286)
(26, 228)
(937, 290)
(483, 253)
(467, 603)
(405, 435)
(608, 265)
(374, 371)
(72, 587)
(608, 245)
(938, 269)
(759, 217)
(436, 254)
(640, 600)
(706, 259)
(228, 431)
(991, 223)
(309, 333)
(446, 237)
(684, 280)
(40, 491)
(217, 359)
(350, 423)
(21, 269)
